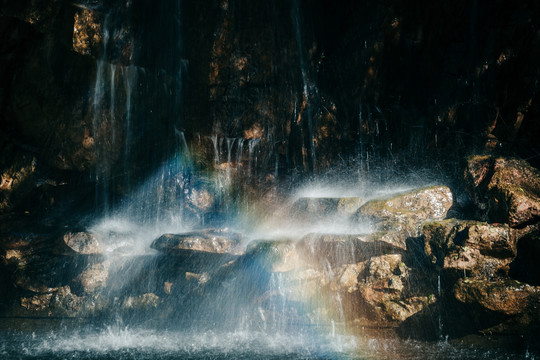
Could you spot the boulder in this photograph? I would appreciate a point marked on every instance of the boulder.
(340, 249)
(83, 243)
(509, 297)
(388, 288)
(505, 190)
(38, 302)
(477, 247)
(276, 256)
(321, 207)
(93, 278)
(210, 241)
(65, 303)
(383, 279)
(430, 203)
(141, 302)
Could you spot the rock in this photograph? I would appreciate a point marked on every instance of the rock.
(167, 287)
(351, 275)
(387, 287)
(478, 247)
(201, 199)
(93, 278)
(401, 310)
(211, 241)
(65, 303)
(38, 302)
(508, 297)
(276, 255)
(339, 249)
(430, 203)
(504, 189)
(198, 278)
(83, 243)
(322, 207)
(87, 32)
(141, 302)
(383, 280)
(525, 266)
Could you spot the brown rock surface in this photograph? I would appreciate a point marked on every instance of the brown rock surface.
(509, 297)
(478, 247)
(419, 204)
(83, 243)
(211, 241)
(505, 189)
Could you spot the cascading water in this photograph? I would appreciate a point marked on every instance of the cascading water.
(202, 262)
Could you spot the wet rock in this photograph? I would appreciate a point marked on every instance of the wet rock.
(505, 296)
(504, 189)
(339, 249)
(211, 241)
(478, 247)
(430, 203)
(387, 286)
(198, 278)
(201, 199)
(83, 243)
(351, 275)
(276, 255)
(38, 302)
(87, 32)
(93, 278)
(141, 302)
(65, 303)
(321, 207)
(383, 279)
(401, 310)
(525, 266)
(167, 287)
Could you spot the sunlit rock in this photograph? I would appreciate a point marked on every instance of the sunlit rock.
(504, 189)
(279, 255)
(509, 297)
(38, 302)
(93, 278)
(65, 303)
(87, 31)
(429, 203)
(388, 289)
(211, 241)
(198, 278)
(401, 310)
(339, 249)
(477, 247)
(325, 206)
(351, 275)
(383, 279)
(83, 243)
(141, 302)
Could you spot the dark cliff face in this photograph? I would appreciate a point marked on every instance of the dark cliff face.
(399, 82)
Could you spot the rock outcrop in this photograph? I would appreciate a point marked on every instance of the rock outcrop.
(505, 190)
(211, 241)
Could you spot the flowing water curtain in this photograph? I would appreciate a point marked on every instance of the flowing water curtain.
(137, 96)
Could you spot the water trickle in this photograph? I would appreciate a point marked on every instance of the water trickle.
(252, 156)
(305, 87)
(214, 139)
(230, 143)
(239, 150)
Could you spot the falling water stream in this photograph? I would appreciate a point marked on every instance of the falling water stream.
(250, 304)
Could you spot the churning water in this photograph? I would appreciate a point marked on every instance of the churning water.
(122, 342)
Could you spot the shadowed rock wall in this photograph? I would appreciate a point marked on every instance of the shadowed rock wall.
(360, 84)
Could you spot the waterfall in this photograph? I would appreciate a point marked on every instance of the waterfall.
(137, 101)
(305, 87)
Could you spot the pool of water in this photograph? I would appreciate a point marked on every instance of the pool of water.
(46, 339)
